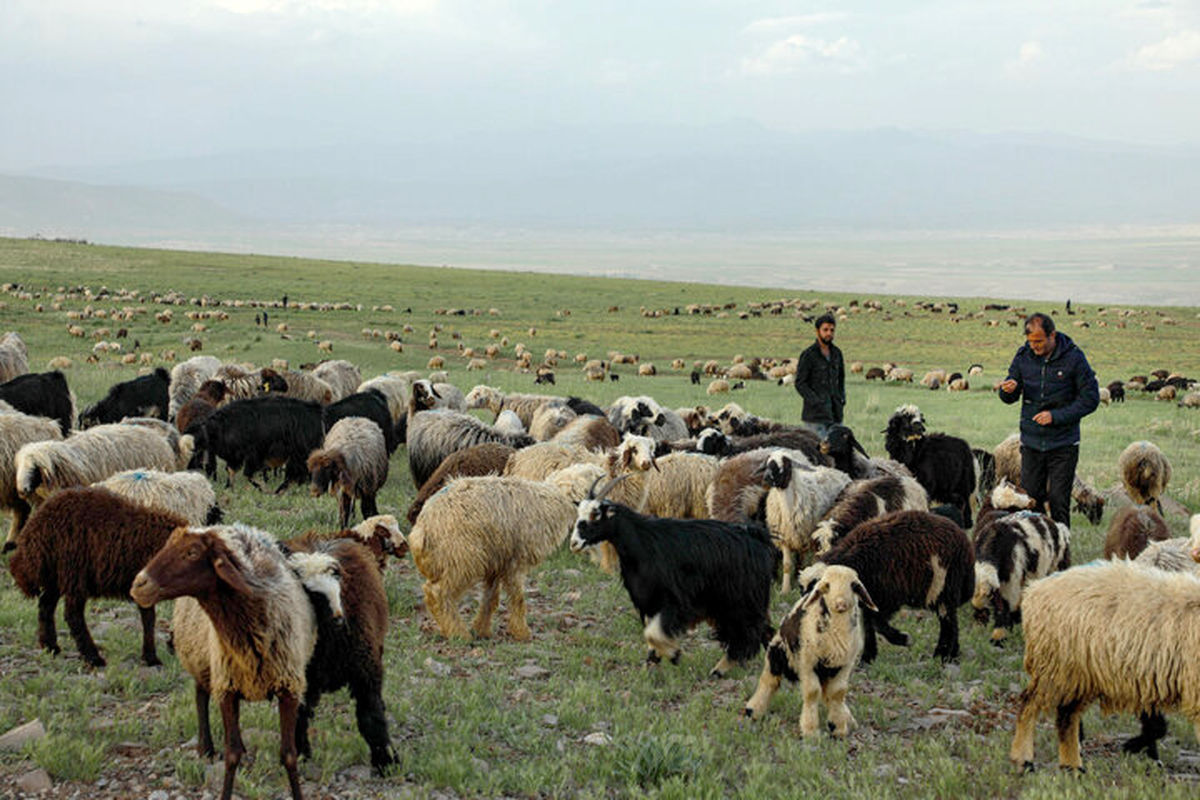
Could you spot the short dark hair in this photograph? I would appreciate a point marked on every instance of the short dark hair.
(821, 320)
(1043, 321)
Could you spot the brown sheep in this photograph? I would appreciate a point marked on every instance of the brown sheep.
(482, 459)
(1131, 529)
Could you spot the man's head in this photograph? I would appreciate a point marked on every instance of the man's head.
(1039, 333)
(825, 326)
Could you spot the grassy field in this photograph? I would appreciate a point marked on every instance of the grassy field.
(465, 720)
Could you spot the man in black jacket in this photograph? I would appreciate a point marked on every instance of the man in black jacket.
(1058, 388)
(821, 378)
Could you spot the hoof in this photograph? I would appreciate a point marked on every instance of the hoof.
(9, 546)
(653, 659)
(1028, 767)
(716, 675)
(96, 662)
(748, 712)
(675, 658)
(903, 640)
(153, 661)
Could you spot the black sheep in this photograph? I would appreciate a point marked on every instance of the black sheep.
(680, 573)
(144, 396)
(371, 405)
(840, 444)
(260, 432)
(41, 394)
(900, 557)
(943, 464)
(714, 443)
(582, 407)
(1116, 392)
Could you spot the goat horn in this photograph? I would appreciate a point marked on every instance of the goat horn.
(591, 495)
(859, 448)
(608, 487)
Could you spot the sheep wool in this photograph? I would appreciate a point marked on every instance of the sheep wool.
(1131, 529)
(14, 357)
(794, 510)
(186, 378)
(351, 463)
(187, 494)
(1145, 472)
(16, 431)
(340, 375)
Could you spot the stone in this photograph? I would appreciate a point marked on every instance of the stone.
(598, 739)
(158, 794)
(16, 738)
(34, 781)
(549, 720)
(437, 668)
(532, 671)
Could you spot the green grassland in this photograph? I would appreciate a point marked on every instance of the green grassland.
(464, 721)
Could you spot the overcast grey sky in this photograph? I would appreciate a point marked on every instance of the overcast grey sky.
(95, 81)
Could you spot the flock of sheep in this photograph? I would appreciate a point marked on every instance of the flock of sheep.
(697, 509)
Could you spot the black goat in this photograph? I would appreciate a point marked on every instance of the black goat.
(41, 394)
(943, 464)
(371, 405)
(715, 443)
(680, 573)
(259, 432)
(901, 558)
(144, 396)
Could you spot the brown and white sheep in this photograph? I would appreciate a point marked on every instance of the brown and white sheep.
(1145, 471)
(488, 458)
(1131, 529)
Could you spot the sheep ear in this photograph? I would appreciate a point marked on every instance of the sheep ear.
(858, 446)
(863, 595)
(811, 597)
(228, 571)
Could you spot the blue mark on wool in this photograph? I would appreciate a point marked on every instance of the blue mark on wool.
(139, 476)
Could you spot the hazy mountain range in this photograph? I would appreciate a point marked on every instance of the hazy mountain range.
(738, 177)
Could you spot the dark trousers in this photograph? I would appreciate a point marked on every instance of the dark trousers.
(1047, 475)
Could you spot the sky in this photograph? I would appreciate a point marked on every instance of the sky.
(110, 81)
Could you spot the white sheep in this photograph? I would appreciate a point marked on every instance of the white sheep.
(342, 377)
(186, 378)
(187, 494)
(799, 497)
(16, 431)
(14, 357)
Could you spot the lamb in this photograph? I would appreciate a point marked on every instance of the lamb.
(352, 463)
(243, 628)
(681, 572)
(1145, 472)
(943, 464)
(1085, 641)
(819, 648)
(185, 494)
(489, 530)
(1010, 552)
(145, 396)
(864, 500)
(433, 435)
(253, 434)
(86, 542)
(1131, 529)
(42, 394)
(90, 456)
(16, 431)
(186, 378)
(340, 375)
(488, 458)
(799, 498)
(906, 558)
(14, 357)
(349, 652)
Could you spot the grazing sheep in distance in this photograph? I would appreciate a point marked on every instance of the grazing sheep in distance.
(16, 431)
(86, 542)
(1145, 472)
(1131, 529)
(718, 386)
(907, 558)
(351, 463)
(1086, 641)
(679, 573)
(875, 374)
(491, 530)
(243, 628)
(819, 648)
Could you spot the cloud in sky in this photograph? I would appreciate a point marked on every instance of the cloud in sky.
(1174, 51)
(798, 52)
(1028, 55)
(774, 24)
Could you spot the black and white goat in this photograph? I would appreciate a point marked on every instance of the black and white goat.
(943, 464)
(680, 573)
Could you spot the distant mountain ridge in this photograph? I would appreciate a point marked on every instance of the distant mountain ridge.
(734, 177)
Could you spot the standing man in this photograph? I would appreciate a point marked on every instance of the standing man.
(1058, 388)
(821, 378)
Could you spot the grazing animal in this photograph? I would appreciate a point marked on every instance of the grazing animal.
(42, 394)
(208, 397)
(14, 357)
(340, 375)
(369, 404)
(866, 499)
(682, 572)
(943, 464)
(1131, 529)
(145, 396)
(352, 463)
(16, 431)
(433, 435)
(799, 497)
(86, 542)
(1145, 471)
(488, 458)
(186, 378)
(185, 494)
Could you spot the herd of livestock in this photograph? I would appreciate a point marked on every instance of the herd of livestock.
(698, 510)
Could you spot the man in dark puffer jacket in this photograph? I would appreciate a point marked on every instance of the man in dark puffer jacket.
(1058, 388)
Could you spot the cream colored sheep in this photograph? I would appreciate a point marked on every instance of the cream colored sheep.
(1145, 472)
(342, 377)
(16, 431)
(186, 494)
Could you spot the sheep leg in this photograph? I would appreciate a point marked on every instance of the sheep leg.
(488, 601)
(149, 651)
(1068, 734)
(789, 564)
(443, 607)
(1021, 752)
(810, 714)
(47, 634)
(722, 666)
(1154, 727)
(1004, 620)
(947, 646)
(369, 506)
(660, 643)
(841, 721)
(870, 645)
(307, 710)
(371, 716)
(289, 706)
(20, 513)
(234, 748)
(893, 636)
(204, 742)
(73, 613)
(514, 592)
(345, 509)
(768, 685)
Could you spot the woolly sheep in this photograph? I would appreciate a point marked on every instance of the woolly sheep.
(340, 375)
(1145, 471)
(866, 499)
(301, 385)
(16, 431)
(14, 357)
(352, 463)
(1086, 641)
(394, 390)
(524, 405)
(509, 423)
(1131, 529)
(549, 420)
(799, 498)
(489, 458)
(186, 378)
(737, 490)
(819, 647)
(491, 530)
(433, 435)
(243, 628)
(589, 432)
(185, 494)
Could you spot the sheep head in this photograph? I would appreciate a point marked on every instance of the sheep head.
(192, 562)
(839, 591)
(637, 453)
(321, 575)
(386, 531)
(712, 442)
